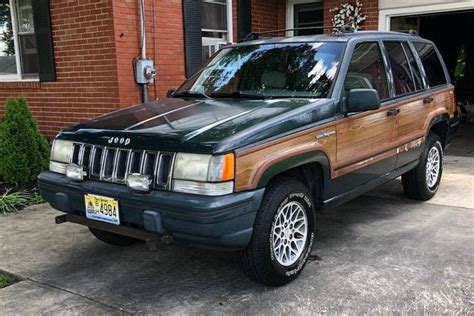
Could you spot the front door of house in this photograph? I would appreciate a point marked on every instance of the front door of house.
(307, 15)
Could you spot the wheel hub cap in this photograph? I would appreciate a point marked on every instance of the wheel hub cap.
(432, 167)
(290, 230)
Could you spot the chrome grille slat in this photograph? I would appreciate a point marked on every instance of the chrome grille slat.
(142, 161)
(91, 160)
(163, 175)
(102, 163)
(113, 164)
(127, 166)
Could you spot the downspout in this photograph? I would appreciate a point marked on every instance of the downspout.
(143, 46)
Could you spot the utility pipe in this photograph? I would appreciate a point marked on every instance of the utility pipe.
(143, 46)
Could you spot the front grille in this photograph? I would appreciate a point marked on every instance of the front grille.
(115, 164)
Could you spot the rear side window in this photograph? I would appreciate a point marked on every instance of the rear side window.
(367, 70)
(431, 63)
(401, 69)
(414, 67)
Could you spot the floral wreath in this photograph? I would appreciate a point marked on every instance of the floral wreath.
(348, 14)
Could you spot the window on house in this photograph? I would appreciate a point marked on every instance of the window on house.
(367, 70)
(215, 26)
(18, 53)
(308, 15)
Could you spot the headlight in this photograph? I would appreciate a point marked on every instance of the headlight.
(62, 150)
(204, 174)
(204, 167)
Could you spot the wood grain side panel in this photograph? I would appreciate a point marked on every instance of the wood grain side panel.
(364, 163)
(415, 116)
(360, 138)
(354, 142)
(251, 165)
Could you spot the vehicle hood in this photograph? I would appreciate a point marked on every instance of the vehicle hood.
(199, 125)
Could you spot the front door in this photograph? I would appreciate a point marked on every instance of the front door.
(366, 141)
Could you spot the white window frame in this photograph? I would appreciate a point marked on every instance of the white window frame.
(216, 43)
(16, 44)
(229, 30)
(386, 15)
(290, 13)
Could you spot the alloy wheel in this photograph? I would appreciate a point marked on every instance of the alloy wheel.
(289, 233)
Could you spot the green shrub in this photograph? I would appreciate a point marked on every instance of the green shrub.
(24, 152)
(14, 202)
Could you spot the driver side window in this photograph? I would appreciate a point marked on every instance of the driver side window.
(367, 70)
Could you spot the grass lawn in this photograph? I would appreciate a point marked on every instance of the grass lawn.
(6, 280)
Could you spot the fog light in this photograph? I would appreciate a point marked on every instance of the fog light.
(139, 182)
(75, 172)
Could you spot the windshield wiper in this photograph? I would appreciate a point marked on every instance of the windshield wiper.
(238, 94)
(190, 94)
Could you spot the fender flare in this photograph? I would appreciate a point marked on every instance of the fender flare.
(443, 117)
(288, 163)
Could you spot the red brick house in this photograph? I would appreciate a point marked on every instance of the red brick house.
(74, 59)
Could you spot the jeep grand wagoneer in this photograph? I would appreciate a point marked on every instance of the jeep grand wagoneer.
(266, 133)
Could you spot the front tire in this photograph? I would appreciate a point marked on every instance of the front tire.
(113, 239)
(422, 182)
(283, 234)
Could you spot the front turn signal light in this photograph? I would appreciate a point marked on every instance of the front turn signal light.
(222, 168)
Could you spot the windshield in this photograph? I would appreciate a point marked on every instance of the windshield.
(305, 70)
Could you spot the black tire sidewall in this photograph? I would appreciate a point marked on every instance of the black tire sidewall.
(305, 201)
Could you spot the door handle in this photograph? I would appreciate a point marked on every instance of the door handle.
(393, 112)
(427, 100)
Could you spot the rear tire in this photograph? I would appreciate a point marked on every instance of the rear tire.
(422, 182)
(283, 234)
(113, 239)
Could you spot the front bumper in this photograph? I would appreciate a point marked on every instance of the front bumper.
(220, 222)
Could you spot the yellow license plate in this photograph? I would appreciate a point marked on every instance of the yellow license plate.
(101, 208)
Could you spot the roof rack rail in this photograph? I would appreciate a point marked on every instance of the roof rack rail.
(344, 29)
(410, 32)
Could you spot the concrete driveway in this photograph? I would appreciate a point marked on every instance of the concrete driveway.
(380, 253)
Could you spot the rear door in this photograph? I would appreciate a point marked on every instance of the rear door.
(418, 82)
(412, 98)
(366, 141)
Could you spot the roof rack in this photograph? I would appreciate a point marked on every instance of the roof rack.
(410, 32)
(344, 29)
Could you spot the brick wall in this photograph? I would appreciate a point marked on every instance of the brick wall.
(268, 15)
(86, 83)
(369, 8)
(164, 27)
(95, 42)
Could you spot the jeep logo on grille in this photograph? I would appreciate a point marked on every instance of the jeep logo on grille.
(119, 140)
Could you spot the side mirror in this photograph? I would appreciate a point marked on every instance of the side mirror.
(170, 93)
(360, 100)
